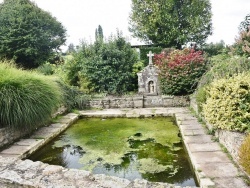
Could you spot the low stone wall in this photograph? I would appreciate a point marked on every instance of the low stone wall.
(8, 136)
(231, 140)
(140, 102)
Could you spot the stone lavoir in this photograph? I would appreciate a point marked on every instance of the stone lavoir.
(211, 165)
(130, 148)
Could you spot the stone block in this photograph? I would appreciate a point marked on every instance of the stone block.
(210, 157)
(198, 147)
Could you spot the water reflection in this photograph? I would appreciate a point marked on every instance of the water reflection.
(178, 172)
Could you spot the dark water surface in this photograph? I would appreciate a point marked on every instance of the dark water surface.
(146, 148)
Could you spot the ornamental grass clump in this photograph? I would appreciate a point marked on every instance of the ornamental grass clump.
(244, 154)
(227, 103)
(27, 99)
(180, 70)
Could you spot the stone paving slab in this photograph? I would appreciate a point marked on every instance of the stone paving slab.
(46, 132)
(210, 157)
(104, 113)
(16, 150)
(215, 170)
(186, 117)
(9, 156)
(198, 139)
(193, 126)
(229, 183)
(193, 132)
(196, 147)
(29, 142)
(58, 125)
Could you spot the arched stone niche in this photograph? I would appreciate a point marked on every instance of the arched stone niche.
(148, 82)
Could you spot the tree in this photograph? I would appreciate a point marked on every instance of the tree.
(71, 48)
(99, 33)
(213, 49)
(110, 69)
(171, 23)
(242, 42)
(28, 34)
(244, 25)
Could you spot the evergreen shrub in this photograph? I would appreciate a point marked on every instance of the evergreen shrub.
(27, 99)
(244, 154)
(227, 103)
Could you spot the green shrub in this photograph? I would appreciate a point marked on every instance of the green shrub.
(201, 96)
(73, 97)
(228, 103)
(46, 69)
(244, 154)
(110, 69)
(213, 49)
(27, 99)
(224, 66)
(180, 71)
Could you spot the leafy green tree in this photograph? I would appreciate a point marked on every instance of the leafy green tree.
(110, 70)
(171, 23)
(71, 48)
(242, 42)
(99, 33)
(244, 25)
(28, 34)
(213, 49)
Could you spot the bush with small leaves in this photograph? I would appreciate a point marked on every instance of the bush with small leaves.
(227, 103)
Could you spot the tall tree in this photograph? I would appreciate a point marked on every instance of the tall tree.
(99, 33)
(244, 25)
(71, 48)
(242, 42)
(171, 23)
(28, 34)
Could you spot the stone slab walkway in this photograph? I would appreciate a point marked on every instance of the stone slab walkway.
(213, 168)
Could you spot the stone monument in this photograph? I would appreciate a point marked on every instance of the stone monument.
(148, 81)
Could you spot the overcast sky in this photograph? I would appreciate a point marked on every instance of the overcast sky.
(81, 17)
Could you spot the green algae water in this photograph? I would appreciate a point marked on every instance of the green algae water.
(137, 148)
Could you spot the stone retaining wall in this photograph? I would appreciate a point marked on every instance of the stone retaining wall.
(231, 140)
(140, 102)
(8, 136)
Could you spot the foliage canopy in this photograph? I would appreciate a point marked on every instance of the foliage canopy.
(110, 70)
(107, 66)
(28, 34)
(171, 23)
